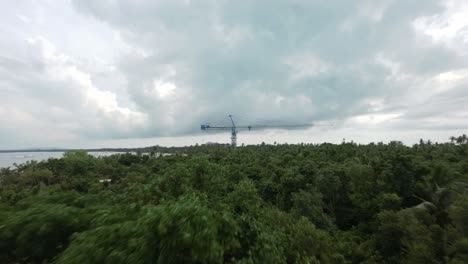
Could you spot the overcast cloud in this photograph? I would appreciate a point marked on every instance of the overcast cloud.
(91, 73)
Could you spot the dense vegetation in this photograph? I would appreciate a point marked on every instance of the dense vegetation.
(347, 203)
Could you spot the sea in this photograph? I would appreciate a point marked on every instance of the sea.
(9, 159)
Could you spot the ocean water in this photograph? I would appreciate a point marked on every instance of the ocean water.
(8, 159)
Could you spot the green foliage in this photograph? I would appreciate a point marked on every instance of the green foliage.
(401, 237)
(347, 203)
(38, 233)
(175, 232)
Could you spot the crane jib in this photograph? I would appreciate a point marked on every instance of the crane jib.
(234, 129)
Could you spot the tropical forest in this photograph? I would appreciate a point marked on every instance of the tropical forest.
(267, 203)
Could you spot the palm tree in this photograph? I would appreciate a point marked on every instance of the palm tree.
(438, 200)
(452, 139)
(462, 139)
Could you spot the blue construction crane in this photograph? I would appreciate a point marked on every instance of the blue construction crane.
(235, 129)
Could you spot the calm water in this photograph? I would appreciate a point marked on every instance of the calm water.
(8, 159)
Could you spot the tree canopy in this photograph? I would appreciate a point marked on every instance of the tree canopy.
(306, 203)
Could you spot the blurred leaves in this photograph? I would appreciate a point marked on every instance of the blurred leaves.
(347, 203)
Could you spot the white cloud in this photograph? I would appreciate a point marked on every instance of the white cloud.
(164, 89)
(23, 18)
(60, 67)
(375, 119)
(451, 77)
(449, 27)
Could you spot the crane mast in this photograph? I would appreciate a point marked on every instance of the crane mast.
(235, 128)
(233, 133)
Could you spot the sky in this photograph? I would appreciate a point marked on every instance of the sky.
(115, 73)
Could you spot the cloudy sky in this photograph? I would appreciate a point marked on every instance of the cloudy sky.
(89, 73)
